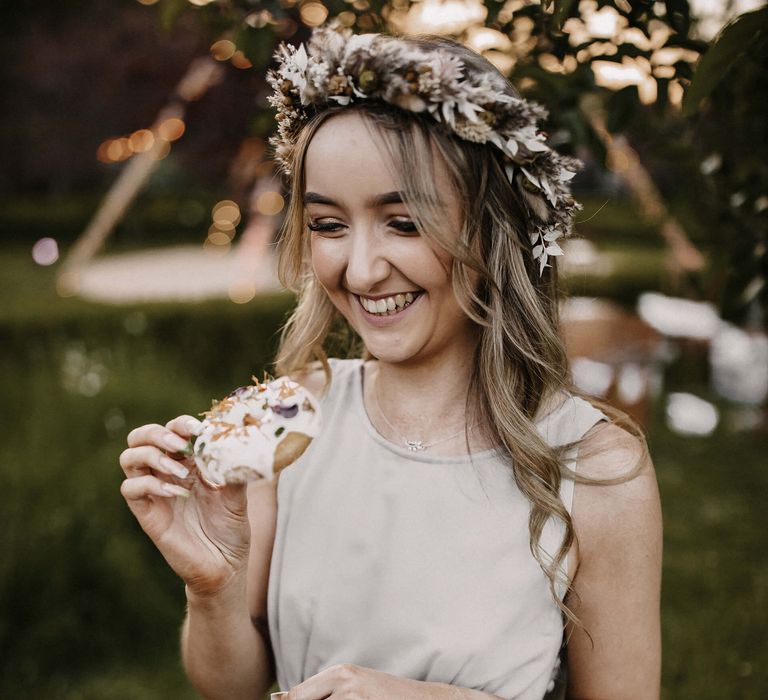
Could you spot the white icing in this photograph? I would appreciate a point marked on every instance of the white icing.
(230, 449)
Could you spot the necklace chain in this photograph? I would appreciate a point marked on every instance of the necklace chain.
(413, 445)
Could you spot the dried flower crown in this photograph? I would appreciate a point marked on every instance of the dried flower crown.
(341, 68)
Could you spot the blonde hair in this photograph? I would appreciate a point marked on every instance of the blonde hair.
(520, 357)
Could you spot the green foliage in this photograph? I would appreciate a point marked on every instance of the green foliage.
(732, 44)
(88, 602)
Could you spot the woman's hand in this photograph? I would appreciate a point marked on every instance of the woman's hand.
(350, 682)
(202, 531)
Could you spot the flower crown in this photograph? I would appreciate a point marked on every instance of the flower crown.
(341, 68)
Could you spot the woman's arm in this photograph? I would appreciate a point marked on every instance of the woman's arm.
(616, 653)
(225, 644)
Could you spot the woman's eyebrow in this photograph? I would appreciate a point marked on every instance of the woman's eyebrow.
(377, 201)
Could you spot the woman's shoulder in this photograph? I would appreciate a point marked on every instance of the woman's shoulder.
(317, 379)
(617, 494)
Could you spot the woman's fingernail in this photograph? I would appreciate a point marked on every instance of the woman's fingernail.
(194, 426)
(174, 467)
(175, 490)
(174, 442)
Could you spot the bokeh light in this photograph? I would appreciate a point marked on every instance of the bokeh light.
(242, 291)
(141, 140)
(171, 129)
(226, 213)
(217, 237)
(45, 251)
(313, 14)
(241, 61)
(223, 49)
(270, 203)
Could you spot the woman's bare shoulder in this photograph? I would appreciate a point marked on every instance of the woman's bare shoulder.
(622, 496)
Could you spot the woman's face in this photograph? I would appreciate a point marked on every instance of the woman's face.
(391, 284)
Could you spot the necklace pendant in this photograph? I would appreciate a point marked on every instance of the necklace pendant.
(415, 445)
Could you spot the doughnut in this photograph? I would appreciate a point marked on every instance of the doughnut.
(256, 431)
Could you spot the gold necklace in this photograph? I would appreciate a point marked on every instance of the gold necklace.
(413, 445)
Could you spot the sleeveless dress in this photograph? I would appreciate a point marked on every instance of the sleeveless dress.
(412, 564)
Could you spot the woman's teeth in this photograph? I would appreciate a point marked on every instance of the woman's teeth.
(388, 306)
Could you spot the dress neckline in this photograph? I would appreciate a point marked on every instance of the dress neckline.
(358, 392)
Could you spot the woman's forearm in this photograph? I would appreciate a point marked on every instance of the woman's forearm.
(223, 653)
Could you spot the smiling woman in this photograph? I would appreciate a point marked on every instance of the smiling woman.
(466, 525)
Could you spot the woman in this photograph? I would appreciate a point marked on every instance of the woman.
(465, 520)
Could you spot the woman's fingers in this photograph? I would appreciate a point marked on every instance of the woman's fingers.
(186, 426)
(140, 487)
(154, 434)
(138, 461)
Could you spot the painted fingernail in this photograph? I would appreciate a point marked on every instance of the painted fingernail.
(174, 442)
(175, 490)
(174, 467)
(194, 426)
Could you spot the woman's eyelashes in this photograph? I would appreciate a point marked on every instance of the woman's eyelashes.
(400, 225)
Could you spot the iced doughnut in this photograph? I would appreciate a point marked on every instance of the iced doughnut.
(256, 431)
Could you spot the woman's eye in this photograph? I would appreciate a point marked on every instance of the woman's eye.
(404, 226)
(324, 228)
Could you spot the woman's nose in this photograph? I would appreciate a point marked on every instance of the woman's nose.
(367, 264)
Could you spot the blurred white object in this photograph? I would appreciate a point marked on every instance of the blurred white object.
(678, 318)
(689, 415)
(592, 377)
(45, 251)
(632, 384)
(739, 362)
(581, 256)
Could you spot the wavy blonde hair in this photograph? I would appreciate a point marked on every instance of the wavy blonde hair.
(520, 357)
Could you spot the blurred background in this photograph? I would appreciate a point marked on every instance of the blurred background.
(138, 208)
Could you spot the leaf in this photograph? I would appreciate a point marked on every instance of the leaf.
(678, 15)
(562, 10)
(729, 46)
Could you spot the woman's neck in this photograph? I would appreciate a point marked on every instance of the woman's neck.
(421, 402)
